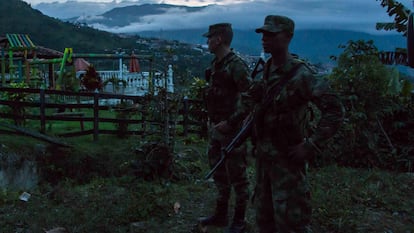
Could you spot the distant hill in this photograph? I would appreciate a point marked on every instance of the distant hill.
(17, 16)
(123, 16)
(314, 45)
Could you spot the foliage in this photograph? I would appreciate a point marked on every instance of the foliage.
(91, 79)
(16, 96)
(197, 88)
(69, 81)
(17, 110)
(163, 107)
(97, 191)
(360, 200)
(154, 160)
(116, 83)
(361, 78)
(196, 93)
(400, 24)
(372, 96)
(400, 13)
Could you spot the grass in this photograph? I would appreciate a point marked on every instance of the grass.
(359, 200)
(93, 188)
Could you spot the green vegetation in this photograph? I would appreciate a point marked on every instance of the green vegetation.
(95, 188)
(17, 110)
(360, 183)
(379, 113)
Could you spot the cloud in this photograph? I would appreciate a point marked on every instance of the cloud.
(70, 9)
(248, 14)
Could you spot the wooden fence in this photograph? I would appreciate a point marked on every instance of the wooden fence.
(130, 115)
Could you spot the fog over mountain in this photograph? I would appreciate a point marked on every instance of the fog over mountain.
(353, 15)
(321, 26)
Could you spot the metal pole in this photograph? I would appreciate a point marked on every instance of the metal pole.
(120, 68)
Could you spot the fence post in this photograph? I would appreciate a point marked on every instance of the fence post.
(95, 116)
(42, 111)
(166, 119)
(185, 116)
(143, 124)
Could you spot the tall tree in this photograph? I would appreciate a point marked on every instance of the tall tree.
(401, 16)
(399, 12)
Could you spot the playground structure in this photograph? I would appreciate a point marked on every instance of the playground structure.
(23, 61)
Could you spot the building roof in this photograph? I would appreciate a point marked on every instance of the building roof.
(20, 42)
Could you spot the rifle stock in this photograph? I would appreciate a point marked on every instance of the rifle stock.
(237, 140)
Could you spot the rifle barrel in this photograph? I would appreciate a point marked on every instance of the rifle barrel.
(211, 172)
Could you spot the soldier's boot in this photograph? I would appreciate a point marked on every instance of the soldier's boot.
(239, 224)
(218, 219)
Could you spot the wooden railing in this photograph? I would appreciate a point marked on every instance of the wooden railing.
(93, 110)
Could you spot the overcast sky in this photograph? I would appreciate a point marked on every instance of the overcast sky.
(360, 15)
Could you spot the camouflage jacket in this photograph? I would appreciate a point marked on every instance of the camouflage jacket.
(284, 122)
(227, 79)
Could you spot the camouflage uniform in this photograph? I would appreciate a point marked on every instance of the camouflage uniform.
(281, 126)
(227, 78)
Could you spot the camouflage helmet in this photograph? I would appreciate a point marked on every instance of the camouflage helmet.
(218, 28)
(277, 23)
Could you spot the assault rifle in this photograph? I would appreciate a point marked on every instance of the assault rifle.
(240, 137)
(245, 130)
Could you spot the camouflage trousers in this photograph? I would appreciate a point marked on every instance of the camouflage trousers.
(232, 174)
(282, 197)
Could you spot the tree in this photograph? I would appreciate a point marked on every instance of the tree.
(376, 110)
(91, 79)
(400, 13)
(361, 77)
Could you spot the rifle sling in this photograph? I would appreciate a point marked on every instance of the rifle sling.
(277, 88)
(274, 91)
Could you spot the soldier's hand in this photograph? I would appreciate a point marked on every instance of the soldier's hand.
(300, 153)
(223, 127)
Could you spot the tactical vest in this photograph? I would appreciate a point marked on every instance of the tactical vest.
(259, 128)
(221, 95)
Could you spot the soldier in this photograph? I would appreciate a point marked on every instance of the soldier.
(282, 147)
(228, 77)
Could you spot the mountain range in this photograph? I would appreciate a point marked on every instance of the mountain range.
(18, 17)
(316, 45)
(124, 16)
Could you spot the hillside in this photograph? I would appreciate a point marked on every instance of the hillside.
(18, 17)
(315, 45)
